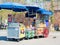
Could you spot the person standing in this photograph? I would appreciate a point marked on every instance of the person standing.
(56, 26)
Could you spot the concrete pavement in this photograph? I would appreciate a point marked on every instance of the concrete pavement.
(40, 41)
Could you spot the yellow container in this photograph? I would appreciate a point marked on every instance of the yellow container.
(22, 31)
(22, 35)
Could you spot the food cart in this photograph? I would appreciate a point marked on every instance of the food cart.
(42, 23)
(15, 30)
(31, 14)
(42, 31)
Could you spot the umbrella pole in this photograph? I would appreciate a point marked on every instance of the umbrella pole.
(36, 15)
(28, 18)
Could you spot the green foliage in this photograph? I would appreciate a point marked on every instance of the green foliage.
(52, 19)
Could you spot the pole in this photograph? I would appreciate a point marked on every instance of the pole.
(52, 5)
(52, 17)
(52, 9)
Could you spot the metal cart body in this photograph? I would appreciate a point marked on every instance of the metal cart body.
(29, 33)
(13, 31)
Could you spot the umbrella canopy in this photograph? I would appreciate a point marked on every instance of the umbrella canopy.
(7, 5)
(19, 7)
(45, 12)
(32, 9)
(13, 6)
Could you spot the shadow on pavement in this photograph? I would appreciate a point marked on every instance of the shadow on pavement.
(3, 38)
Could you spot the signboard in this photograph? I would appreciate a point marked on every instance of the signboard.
(13, 30)
(9, 18)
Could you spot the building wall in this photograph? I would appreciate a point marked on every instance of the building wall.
(57, 16)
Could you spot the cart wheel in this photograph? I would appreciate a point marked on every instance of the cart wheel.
(41, 36)
(35, 37)
(18, 40)
(26, 38)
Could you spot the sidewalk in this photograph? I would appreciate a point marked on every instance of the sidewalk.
(54, 34)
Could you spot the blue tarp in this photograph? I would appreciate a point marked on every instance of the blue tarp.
(43, 11)
(13, 6)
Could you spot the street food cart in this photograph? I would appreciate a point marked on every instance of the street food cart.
(42, 30)
(15, 30)
(42, 23)
(30, 30)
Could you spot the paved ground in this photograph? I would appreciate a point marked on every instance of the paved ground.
(53, 39)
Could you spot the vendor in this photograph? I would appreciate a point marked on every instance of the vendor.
(33, 23)
(56, 26)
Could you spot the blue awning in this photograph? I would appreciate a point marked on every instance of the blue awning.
(13, 6)
(45, 12)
